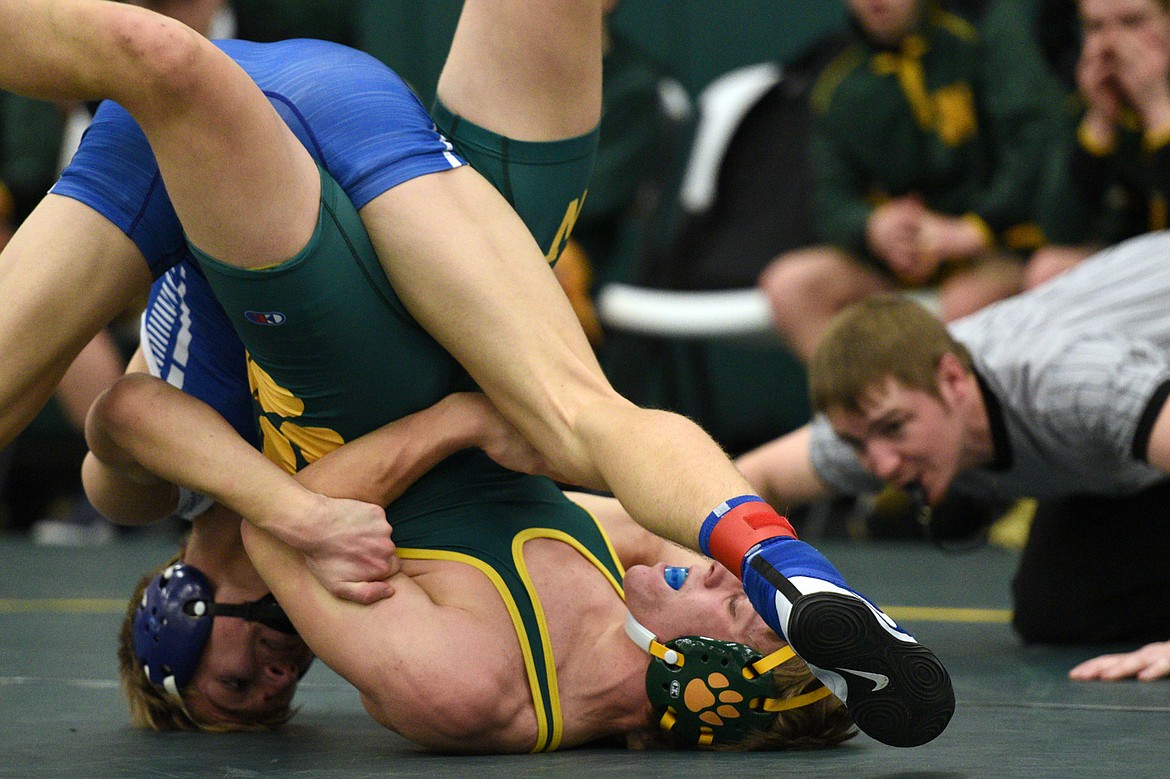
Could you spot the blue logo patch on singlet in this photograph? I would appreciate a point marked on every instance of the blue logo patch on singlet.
(271, 318)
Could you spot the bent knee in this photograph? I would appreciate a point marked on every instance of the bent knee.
(126, 400)
(162, 55)
(816, 278)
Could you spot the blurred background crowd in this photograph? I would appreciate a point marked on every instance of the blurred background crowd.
(818, 152)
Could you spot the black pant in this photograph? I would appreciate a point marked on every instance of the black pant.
(1096, 570)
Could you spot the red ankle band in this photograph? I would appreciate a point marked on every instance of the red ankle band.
(743, 527)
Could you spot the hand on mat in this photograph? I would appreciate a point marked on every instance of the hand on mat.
(348, 549)
(1150, 662)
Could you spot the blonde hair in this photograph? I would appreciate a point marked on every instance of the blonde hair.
(817, 725)
(152, 708)
(883, 337)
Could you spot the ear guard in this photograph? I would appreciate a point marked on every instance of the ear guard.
(172, 624)
(709, 691)
(169, 636)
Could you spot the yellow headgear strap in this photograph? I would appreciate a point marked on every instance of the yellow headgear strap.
(766, 664)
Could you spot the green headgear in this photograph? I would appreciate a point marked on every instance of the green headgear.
(709, 691)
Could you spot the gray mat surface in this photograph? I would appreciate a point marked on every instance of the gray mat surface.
(61, 714)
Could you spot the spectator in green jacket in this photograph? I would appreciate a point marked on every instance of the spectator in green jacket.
(1110, 179)
(926, 150)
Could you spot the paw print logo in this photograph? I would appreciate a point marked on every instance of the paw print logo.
(710, 700)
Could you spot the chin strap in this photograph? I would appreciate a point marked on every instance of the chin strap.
(642, 636)
(266, 611)
(766, 664)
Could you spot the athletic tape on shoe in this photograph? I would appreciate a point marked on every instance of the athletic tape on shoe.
(736, 526)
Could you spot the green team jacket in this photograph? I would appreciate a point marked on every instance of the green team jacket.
(1106, 195)
(958, 118)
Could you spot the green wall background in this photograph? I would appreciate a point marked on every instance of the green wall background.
(696, 39)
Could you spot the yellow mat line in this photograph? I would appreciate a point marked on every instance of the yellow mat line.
(939, 614)
(118, 606)
(62, 605)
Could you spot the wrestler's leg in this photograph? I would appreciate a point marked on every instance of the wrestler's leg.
(519, 97)
(461, 261)
(65, 274)
(526, 69)
(246, 191)
(244, 188)
(529, 70)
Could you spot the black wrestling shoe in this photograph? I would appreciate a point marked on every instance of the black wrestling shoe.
(896, 690)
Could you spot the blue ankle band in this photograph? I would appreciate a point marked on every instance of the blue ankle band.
(717, 514)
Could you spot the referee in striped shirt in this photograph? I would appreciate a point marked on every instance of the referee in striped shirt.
(1058, 394)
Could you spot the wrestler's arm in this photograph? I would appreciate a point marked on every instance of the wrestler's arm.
(136, 459)
(434, 663)
(64, 275)
(408, 655)
(145, 435)
(118, 485)
(781, 471)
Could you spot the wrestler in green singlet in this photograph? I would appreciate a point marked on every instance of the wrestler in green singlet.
(334, 354)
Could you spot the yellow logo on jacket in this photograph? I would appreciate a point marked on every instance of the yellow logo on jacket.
(954, 112)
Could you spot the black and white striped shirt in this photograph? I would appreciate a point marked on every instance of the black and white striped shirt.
(1074, 372)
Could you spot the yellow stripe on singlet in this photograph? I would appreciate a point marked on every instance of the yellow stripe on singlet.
(518, 542)
(513, 612)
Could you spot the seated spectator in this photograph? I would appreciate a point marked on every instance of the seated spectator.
(926, 152)
(1110, 178)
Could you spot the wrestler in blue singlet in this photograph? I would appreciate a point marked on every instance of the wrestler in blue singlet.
(362, 123)
(371, 135)
(368, 132)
